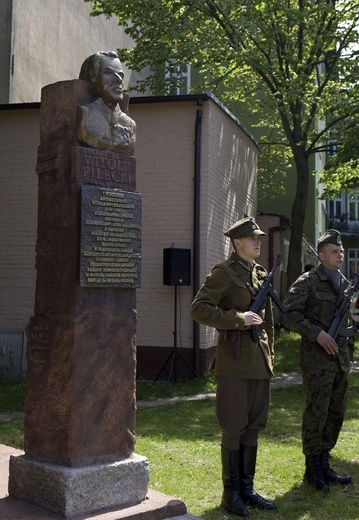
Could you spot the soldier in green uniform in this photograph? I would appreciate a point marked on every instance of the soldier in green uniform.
(243, 367)
(310, 305)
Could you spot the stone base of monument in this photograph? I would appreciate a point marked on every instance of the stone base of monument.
(70, 492)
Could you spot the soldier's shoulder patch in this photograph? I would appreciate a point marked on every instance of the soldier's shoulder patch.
(301, 279)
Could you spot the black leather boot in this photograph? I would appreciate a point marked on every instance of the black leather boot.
(313, 473)
(231, 498)
(329, 475)
(247, 469)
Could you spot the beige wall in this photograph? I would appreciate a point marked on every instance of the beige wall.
(232, 182)
(229, 191)
(19, 139)
(165, 173)
(49, 41)
(165, 159)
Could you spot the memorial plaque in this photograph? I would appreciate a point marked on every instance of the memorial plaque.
(110, 238)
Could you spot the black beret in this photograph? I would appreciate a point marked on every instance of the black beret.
(331, 236)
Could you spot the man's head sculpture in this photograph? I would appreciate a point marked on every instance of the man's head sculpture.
(104, 70)
(104, 122)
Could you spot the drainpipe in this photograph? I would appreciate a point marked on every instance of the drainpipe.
(196, 227)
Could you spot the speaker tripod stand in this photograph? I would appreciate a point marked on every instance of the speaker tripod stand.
(172, 375)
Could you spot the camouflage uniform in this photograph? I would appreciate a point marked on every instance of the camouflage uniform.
(310, 304)
(243, 367)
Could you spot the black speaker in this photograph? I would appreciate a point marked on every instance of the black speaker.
(176, 266)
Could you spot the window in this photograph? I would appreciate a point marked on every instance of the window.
(335, 209)
(353, 263)
(180, 79)
(353, 204)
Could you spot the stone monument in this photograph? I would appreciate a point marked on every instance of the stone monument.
(80, 400)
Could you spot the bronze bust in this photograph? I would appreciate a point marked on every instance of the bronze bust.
(103, 123)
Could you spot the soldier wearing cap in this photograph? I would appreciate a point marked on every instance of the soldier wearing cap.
(243, 367)
(310, 305)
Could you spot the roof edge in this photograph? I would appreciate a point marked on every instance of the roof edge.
(199, 98)
(19, 106)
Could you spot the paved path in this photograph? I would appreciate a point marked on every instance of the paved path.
(293, 378)
(284, 380)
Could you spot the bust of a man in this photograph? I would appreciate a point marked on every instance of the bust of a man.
(103, 123)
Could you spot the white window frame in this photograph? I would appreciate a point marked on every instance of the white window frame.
(353, 202)
(334, 202)
(184, 87)
(353, 262)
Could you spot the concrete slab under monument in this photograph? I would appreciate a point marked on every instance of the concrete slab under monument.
(72, 491)
(155, 506)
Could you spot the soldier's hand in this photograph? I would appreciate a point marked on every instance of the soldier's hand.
(328, 343)
(251, 318)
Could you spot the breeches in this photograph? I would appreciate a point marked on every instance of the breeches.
(242, 407)
(325, 394)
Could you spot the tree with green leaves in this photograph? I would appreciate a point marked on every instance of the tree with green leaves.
(292, 62)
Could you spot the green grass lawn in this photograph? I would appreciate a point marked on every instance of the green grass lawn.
(181, 442)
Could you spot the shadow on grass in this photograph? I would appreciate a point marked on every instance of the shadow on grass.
(280, 465)
(303, 502)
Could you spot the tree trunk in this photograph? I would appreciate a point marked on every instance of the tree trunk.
(295, 267)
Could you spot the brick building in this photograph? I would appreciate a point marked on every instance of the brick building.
(196, 171)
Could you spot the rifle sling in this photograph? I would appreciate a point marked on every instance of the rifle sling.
(346, 332)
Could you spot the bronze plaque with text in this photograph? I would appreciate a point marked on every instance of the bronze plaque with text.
(110, 238)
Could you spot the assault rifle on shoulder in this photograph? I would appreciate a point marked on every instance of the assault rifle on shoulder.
(260, 300)
(335, 329)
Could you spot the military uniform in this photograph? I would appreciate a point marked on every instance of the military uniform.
(243, 367)
(220, 303)
(310, 305)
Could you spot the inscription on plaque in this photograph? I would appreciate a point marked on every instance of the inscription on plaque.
(105, 168)
(110, 238)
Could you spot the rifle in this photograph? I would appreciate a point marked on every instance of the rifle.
(335, 329)
(260, 300)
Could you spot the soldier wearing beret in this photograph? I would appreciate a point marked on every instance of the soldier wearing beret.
(243, 367)
(310, 305)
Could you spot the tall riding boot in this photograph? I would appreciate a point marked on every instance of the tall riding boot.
(313, 473)
(329, 475)
(247, 469)
(231, 498)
